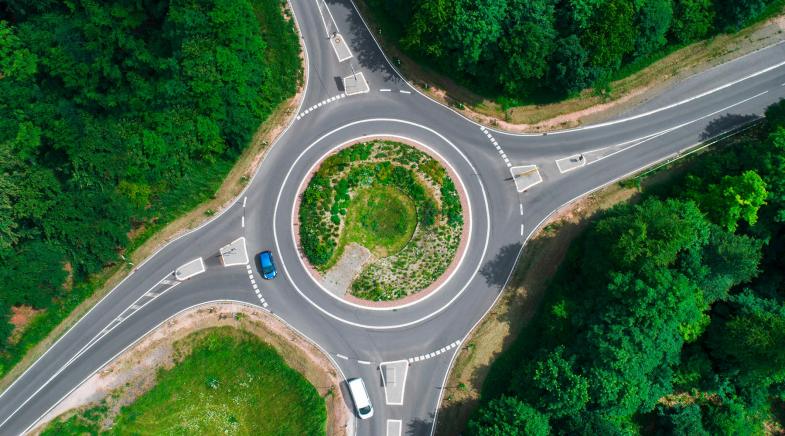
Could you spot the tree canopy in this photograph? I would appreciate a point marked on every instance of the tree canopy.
(668, 315)
(526, 49)
(115, 116)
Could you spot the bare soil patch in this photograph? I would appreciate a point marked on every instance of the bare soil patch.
(134, 372)
(20, 318)
(339, 278)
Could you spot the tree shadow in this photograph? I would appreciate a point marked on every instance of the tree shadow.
(497, 270)
(726, 123)
(420, 427)
(363, 46)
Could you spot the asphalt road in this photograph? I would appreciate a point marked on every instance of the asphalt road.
(427, 334)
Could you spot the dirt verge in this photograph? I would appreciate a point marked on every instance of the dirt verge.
(134, 372)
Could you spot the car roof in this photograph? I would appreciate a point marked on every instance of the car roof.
(360, 396)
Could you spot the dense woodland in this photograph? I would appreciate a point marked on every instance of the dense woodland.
(667, 316)
(119, 115)
(527, 50)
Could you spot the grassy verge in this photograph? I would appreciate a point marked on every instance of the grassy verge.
(204, 195)
(633, 84)
(228, 382)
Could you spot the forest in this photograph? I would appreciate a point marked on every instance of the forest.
(667, 315)
(115, 117)
(541, 50)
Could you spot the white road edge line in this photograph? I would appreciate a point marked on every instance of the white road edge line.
(117, 321)
(206, 303)
(324, 22)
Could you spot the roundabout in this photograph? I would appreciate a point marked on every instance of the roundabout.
(435, 296)
(381, 221)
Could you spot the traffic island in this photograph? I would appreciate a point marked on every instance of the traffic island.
(381, 222)
(525, 177)
(355, 84)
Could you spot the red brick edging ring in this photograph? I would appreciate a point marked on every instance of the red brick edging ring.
(416, 296)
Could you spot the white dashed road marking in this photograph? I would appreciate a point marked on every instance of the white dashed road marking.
(256, 287)
(496, 145)
(433, 354)
(316, 106)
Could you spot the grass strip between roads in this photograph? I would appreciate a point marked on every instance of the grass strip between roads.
(227, 381)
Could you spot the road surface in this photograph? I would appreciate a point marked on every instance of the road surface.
(505, 211)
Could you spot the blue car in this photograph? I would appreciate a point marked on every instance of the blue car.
(268, 266)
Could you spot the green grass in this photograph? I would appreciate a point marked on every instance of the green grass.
(381, 219)
(231, 383)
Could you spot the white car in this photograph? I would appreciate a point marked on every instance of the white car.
(362, 404)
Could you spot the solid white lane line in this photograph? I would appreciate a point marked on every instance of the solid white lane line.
(658, 134)
(324, 22)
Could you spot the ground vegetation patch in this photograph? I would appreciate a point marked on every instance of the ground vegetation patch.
(393, 199)
(224, 381)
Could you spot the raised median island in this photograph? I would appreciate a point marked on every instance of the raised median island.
(380, 220)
